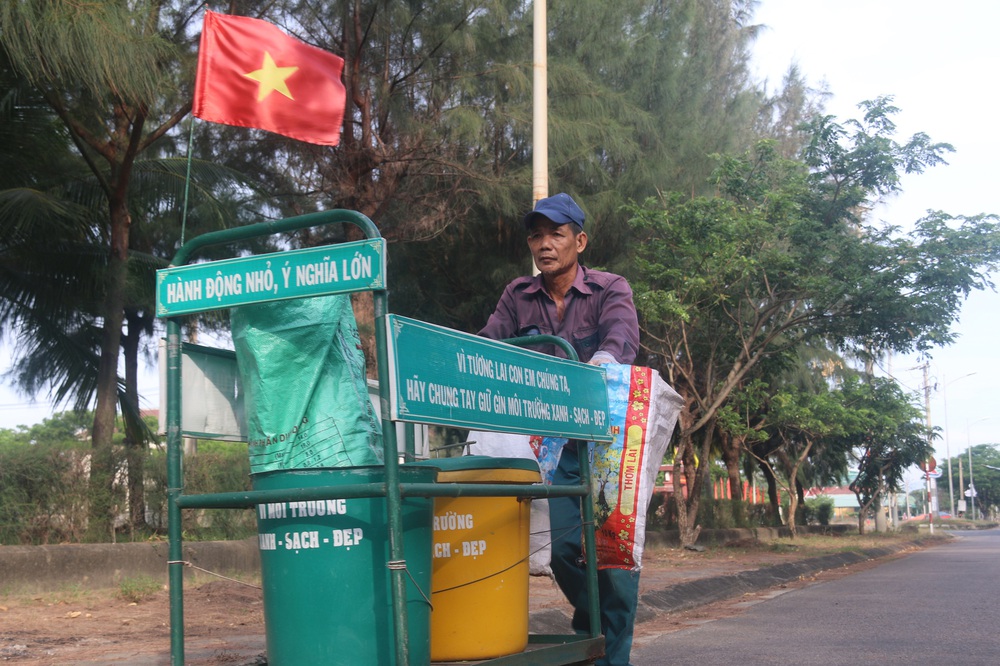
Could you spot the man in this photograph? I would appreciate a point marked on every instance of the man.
(594, 312)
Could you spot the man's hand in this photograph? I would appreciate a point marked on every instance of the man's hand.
(602, 358)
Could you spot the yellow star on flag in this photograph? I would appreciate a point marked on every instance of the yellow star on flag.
(271, 78)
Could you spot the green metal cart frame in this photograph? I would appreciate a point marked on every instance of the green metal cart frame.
(543, 649)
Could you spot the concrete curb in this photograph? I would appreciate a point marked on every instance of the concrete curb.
(689, 594)
(694, 593)
(37, 569)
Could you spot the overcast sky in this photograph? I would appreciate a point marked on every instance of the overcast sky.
(940, 62)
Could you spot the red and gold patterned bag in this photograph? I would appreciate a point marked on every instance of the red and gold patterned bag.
(643, 413)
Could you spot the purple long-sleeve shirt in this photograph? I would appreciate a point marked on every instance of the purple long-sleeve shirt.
(599, 315)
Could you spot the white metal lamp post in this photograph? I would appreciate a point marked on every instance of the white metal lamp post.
(972, 485)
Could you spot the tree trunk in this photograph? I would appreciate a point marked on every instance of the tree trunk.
(696, 474)
(861, 518)
(772, 493)
(793, 507)
(796, 491)
(363, 304)
(101, 519)
(731, 447)
(135, 444)
(881, 525)
(800, 492)
(687, 509)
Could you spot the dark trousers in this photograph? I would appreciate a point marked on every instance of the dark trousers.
(618, 589)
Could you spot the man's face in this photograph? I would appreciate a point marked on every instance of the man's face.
(554, 247)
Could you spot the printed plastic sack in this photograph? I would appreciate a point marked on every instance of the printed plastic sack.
(305, 391)
(543, 449)
(504, 445)
(643, 413)
(547, 451)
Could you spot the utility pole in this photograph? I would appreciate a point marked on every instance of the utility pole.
(947, 446)
(972, 485)
(930, 442)
(947, 440)
(961, 485)
(971, 492)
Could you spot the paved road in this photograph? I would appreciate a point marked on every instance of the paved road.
(937, 606)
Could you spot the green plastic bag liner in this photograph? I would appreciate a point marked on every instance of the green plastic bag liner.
(305, 391)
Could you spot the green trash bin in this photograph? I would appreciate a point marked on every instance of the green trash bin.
(327, 587)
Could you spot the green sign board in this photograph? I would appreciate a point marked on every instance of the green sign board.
(318, 271)
(446, 377)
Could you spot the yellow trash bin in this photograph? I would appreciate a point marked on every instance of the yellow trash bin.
(479, 561)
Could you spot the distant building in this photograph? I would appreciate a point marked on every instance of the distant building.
(845, 502)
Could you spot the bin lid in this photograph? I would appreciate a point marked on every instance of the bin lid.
(483, 469)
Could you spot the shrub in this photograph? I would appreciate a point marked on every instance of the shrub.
(819, 510)
(216, 467)
(42, 493)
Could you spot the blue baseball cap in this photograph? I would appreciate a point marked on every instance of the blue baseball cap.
(559, 208)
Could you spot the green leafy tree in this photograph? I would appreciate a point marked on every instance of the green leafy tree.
(986, 478)
(739, 432)
(52, 264)
(783, 116)
(115, 75)
(781, 259)
(799, 423)
(891, 440)
(742, 422)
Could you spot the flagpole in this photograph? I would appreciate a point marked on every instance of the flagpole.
(540, 100)
(187, 179)
(539, 111)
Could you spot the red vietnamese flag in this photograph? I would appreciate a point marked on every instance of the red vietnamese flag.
(252, 74)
